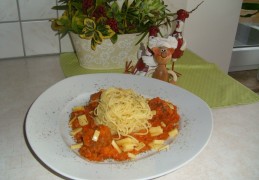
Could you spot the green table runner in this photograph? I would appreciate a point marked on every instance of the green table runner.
(198, 76)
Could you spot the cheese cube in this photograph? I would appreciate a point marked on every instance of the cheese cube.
(96, 135)
(140, 146)
(82, 119)
(173, 133)
(155, 131)
(71, 121)
(75, 131)
(78, 108)
(76, 146)
(132, 156)
(116, 146)
(127, 140)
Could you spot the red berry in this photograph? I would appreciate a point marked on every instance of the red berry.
(153, 30)
(99, 12)
(113, 24)
(182, 14)
(86, 5)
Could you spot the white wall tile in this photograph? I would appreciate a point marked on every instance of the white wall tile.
(37, 9)
(39, 38)
(8, 10)
(10, 40)
(66, 45)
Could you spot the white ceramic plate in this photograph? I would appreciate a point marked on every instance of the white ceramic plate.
(47, 131)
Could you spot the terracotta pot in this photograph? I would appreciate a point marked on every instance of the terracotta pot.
(107, 55)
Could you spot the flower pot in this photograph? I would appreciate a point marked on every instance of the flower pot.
(107, 55)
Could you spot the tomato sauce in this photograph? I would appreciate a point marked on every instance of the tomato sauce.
(166, 117)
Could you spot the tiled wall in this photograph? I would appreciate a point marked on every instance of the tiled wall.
(25, 29)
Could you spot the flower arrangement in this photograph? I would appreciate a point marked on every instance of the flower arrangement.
(96, 20)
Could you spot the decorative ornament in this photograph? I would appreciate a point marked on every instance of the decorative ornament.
(153, 58)
(162, 52)
(180, 21)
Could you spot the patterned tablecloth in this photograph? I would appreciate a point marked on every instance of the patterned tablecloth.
(201, 78)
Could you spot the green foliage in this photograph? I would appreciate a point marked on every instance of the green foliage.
(97, 20)
(250, 6)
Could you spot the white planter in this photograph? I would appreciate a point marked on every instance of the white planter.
(107, 55)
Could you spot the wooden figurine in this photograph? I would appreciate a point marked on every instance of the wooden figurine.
(162, 55)
(162, 49)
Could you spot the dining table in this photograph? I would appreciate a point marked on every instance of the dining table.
(232, 151)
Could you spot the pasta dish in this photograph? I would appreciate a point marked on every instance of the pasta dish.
(119, 124)
(123, 111)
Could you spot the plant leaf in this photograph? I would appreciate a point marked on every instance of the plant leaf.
(115, 7)
(63, 32)
(93, 44)
(89, 24)
(63, 20)
(77, 5)
(98, 37)
(143, 36)
(60, 7)
(114, 38)
(250, 6)
(88, 35)
(99, 2)
(249, 15)
(77, 24)
(106, 31)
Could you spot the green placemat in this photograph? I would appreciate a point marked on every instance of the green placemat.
(204, 79)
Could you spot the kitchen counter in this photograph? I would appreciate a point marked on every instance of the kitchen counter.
(232, 152)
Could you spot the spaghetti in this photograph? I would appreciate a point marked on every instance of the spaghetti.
(123, 111)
